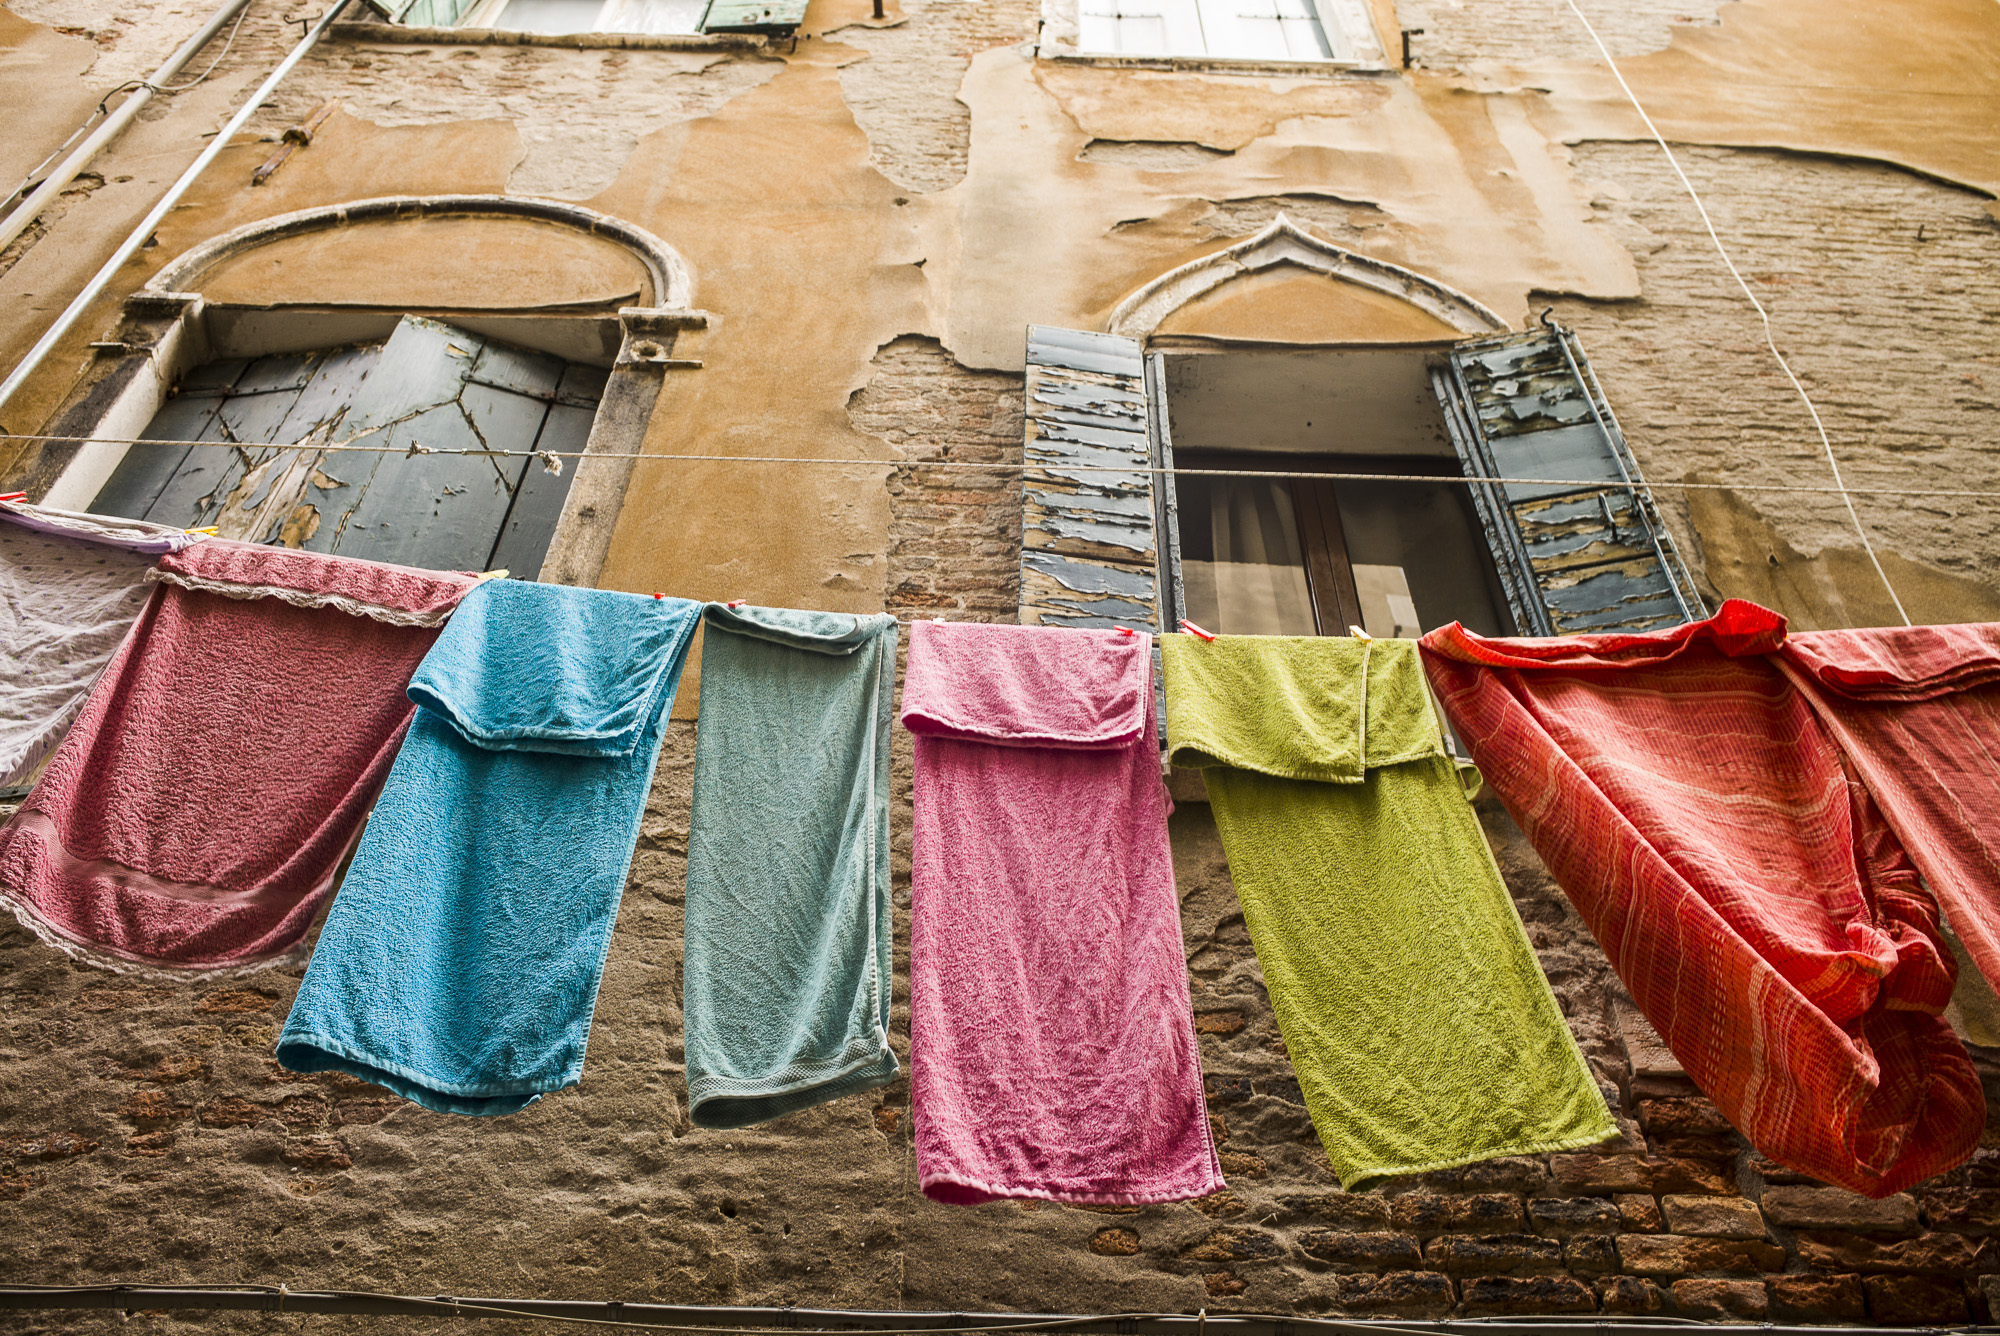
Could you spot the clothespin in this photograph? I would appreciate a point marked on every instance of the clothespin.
(13, 496)
(1358, 633)
(499, 574)
(210, 529)
(1125, 630)
(658, 596)
(735, 603)
(1194, 630)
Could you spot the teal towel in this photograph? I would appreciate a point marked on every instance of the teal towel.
(787, 976)
(459, 965)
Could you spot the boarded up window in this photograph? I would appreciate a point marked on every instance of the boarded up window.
(429, 387)
(1587, 550)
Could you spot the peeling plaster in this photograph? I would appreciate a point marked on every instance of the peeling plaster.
(579, 113)
(1453, 184)
(1916, 84)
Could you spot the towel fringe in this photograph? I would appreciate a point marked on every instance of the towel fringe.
(51, 936)
(301, 598)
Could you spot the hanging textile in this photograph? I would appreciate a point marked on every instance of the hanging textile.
(1916, 710)
(459, 966)
(71, 586)
(1052, 1045)
(787, 975)
(1422, 1031)
(1741, 878)
(194, 818)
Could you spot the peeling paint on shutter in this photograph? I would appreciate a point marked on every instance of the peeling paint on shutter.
(1573, 559)
(1088, 556)
(775, 17)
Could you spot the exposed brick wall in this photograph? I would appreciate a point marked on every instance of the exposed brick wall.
(905, 94)
(1458, 33)
(1873, 304)
(955, 534)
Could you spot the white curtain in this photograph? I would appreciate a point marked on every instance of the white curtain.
(1256, 586)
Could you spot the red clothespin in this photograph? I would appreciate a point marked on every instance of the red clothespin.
(13, 496)
(1125, 630)
(1194, 630)
(659, 596)
(735, 603)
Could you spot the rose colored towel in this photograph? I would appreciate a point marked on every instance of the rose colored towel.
(1742, 880)
(194, 818)
(1916, 710)
(1052, 1046)
(70, 587)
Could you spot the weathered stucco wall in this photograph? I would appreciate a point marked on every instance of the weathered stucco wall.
(871, 219)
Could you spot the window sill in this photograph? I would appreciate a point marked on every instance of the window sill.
(1209, 64)
(361, 31)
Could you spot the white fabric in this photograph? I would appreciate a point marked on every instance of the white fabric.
(65, 605)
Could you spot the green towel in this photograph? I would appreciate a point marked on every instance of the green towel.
(1422, 1030)
(787, 969)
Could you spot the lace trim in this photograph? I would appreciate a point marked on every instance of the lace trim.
(49, 935)
(302, 598)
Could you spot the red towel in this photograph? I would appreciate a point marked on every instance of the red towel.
(195, 817)
(1917, 711)
(1740, 877)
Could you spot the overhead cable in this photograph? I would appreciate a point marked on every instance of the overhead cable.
(1770, 338)
(347, 446)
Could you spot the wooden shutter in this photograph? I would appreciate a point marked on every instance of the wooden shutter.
(774, 17)
(1088, 554)
(430, 388)
(425, 13)
(1586, 551)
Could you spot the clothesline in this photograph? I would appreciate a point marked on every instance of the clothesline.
(1578, 484)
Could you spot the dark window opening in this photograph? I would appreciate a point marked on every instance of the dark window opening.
(1316, 556)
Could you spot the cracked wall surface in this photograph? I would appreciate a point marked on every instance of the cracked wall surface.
(904, 95)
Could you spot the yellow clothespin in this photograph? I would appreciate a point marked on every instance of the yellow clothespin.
(500, 574)
(209, 530)
(1358, 633)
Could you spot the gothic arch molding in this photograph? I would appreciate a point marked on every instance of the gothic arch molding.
(1285, 242)
(673, 286)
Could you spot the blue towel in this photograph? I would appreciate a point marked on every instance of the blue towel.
(459, 965)
(786, 981)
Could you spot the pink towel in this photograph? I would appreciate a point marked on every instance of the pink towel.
(1052, 1045)
(194, 819)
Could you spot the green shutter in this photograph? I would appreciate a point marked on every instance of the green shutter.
(427, 13)
(1586, 551)
(775, 17)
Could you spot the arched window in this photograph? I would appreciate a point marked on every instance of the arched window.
(406, 380)
(1281, 367)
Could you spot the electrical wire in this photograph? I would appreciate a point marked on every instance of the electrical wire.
(104, 107)
(1770, 338)
(346, 446)
(854, 1320)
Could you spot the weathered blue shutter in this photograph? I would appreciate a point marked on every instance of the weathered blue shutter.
(1586, 551)
(774, 17)
(1088, 555)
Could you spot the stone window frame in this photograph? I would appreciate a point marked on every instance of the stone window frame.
(1348, 24)
(166, 328)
